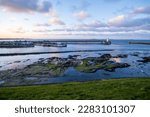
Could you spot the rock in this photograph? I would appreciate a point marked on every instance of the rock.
(110, 62)
(106, 56)
(9, 63)
(17, 61)
(26, 60)
(112, 67)
(121, 56)
(41, 59)
(56, 60)
(122, 65)
(90, 63)
(145, 60)
(73, 56)
(135, 54)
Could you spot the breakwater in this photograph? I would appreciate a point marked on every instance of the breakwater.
(34, 53)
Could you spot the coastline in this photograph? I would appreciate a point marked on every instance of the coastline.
(55, 69)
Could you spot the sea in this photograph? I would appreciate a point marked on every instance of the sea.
(136, 69)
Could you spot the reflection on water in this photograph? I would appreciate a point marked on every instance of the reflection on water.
(118, 60)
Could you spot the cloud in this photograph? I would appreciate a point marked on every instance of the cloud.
(18, 29)
(43, 25)
(142, 10)
(136, 22)
(81, 15)
(53, 13)
(93, 25)
(115, 21)
(26, 5)
(56, 21)
(123, 21)
(131, 19)
(113, 32)
(26, 19)
(54, 18)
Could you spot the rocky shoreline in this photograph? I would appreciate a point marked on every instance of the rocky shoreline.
(55, 67)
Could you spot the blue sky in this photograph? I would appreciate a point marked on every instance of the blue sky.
(75, 19)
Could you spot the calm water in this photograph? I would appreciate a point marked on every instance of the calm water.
(119, 46)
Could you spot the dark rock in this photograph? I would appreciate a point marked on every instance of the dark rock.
(121, 56)
(73, 56)
(26, 60)
(112, 67)
(17, 61)
(145, 60)
(106, 56)
(109, 62)
(57, 61)
(41, 59)
(135, 54)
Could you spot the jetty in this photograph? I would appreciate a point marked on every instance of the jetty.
(145, 43)
(53, 52)
(73, 41)
(16, 44)
(49, 43)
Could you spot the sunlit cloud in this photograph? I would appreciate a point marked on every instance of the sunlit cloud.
(142, 10)
(117, 20)
(81, 15)
(43, 25)
(56, 21)
(19, 29)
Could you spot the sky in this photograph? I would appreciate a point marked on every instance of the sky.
(75, 19)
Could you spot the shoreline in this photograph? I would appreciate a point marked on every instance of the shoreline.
(60, 70)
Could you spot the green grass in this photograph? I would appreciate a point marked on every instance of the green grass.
(129, 88)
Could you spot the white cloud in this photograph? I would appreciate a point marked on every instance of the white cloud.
(17, 29)
(115, 21)
(131, 19)
(94, 24)
(53, 13)
(81, 15)
(142, 10)
(43, 25)
(56, 21)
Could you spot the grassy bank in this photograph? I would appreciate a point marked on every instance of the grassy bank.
(136, 88)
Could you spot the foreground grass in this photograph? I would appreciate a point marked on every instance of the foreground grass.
(134, 88)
